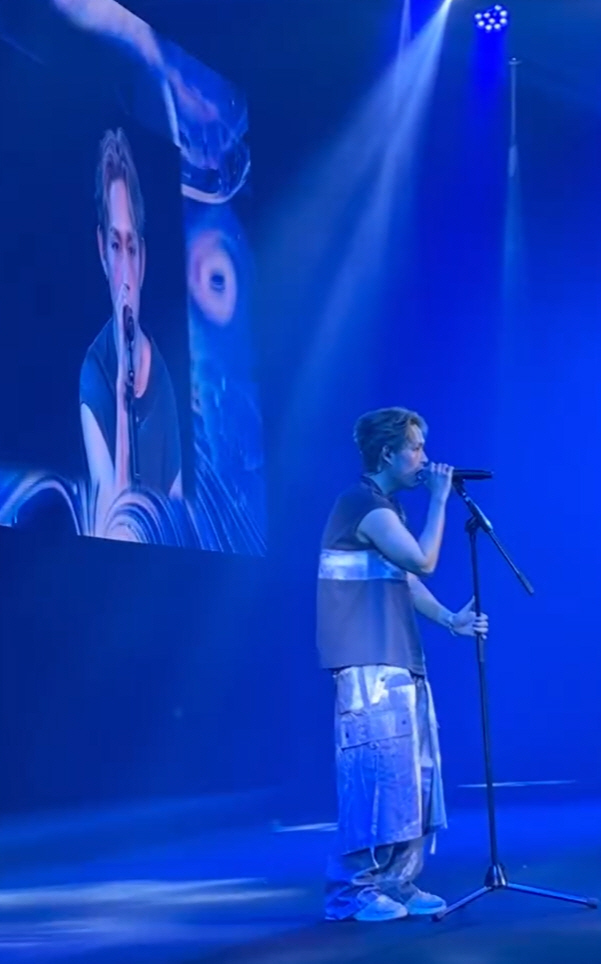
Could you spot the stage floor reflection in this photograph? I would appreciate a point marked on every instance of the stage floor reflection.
(107, 892)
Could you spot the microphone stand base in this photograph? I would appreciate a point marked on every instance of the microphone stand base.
(496, 879)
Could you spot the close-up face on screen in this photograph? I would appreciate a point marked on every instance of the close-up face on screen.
(129, 407)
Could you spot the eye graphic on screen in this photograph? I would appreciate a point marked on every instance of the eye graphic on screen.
(212, 277)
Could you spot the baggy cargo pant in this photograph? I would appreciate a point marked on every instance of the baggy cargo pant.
(390, 795)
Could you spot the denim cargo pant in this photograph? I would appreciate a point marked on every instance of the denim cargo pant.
(389, 785)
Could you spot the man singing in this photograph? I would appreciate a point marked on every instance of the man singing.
(104, 373)
(390, 794)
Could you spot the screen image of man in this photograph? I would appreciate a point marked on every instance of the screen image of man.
(390, 794)
(124, 361)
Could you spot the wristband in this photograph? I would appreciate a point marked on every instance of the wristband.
(448, 621)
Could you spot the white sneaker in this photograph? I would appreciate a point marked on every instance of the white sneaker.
(421, 904)
(382, 908)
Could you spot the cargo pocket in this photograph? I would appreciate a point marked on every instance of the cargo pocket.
(371, 726)
(375, 758)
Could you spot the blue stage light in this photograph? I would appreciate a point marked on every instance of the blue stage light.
(493, 20)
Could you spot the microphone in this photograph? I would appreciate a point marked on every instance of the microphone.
(128, 324)
(463, 475)
(471, 475)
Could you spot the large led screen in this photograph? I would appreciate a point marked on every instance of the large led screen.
(129, 409)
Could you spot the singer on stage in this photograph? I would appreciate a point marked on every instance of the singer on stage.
(123, 340)
(390, 792)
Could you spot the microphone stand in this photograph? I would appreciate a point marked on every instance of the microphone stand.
(496, 875)
(130, 396)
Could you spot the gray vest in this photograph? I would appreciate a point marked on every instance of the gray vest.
(365, 613)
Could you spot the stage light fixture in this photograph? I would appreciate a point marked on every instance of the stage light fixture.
(493, 20)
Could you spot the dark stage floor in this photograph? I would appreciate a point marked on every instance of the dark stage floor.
(106, 891)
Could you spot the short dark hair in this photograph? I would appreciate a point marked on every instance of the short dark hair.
(385, 427)
(116, 163)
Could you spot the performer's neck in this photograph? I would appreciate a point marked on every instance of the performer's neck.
(382, 480)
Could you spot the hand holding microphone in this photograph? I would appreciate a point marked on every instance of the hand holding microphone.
(438, 478)
(433, 473)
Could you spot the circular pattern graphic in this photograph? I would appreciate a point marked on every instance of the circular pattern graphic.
(212, 279)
